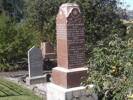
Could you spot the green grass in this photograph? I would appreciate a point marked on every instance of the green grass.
(11, 91)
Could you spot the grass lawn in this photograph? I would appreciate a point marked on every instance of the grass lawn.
(11, 91)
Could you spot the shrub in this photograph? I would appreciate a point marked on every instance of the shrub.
(15, 41)
(111, 68)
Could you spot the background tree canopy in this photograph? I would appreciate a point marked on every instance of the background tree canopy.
(100, 17)
(13, 9)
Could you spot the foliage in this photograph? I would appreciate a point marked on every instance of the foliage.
(130, 30)
(111, 68)
(13, 9)
(41, 16)
(101, 19)
(14, 43)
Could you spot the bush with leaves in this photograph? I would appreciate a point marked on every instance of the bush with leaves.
(111, 68)
(15, 41)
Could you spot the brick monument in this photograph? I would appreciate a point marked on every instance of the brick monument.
(70, 47)
(66, 77)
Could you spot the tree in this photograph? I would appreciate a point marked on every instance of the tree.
(123, 13)
(41, 17)
(13, 9)
(15, 41)
(101, 19)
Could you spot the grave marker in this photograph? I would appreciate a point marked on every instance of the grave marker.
(35, 62)
(66, 78)
(35, 67)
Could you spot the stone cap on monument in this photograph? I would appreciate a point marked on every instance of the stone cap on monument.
(67, 8)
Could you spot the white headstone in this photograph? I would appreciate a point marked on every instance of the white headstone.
(35, 62)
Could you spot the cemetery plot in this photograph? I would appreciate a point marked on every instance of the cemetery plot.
(11, 91)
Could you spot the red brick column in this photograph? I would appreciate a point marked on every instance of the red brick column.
(70, 47)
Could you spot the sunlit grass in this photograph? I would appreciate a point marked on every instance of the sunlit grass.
(11, 91)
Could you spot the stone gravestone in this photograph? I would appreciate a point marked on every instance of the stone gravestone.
(67, 77)
(35, 66)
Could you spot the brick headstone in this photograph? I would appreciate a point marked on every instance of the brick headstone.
(70, 47)
(67, 76)
(48, 51)
(47, 47)
(35, 62)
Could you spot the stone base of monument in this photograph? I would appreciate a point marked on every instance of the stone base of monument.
(55, 92)
(36, 80)
(68, 78)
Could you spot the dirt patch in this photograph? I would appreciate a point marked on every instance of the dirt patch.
(8, 74)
